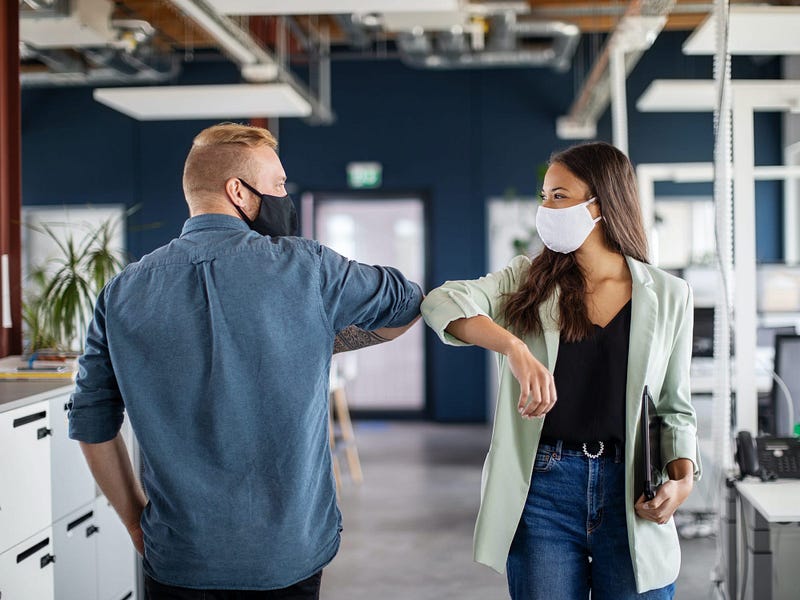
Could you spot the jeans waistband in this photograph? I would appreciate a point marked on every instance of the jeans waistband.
(613, 449)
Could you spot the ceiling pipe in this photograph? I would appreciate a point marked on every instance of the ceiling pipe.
(506, 46)
(96, 77)
(635, 32)
(256, 63)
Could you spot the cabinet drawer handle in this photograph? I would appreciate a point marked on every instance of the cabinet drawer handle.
(126, 596)
(91, 530)
(43, 432)
(29, 419)
(32, 550)
(46, 560)
(79, 520)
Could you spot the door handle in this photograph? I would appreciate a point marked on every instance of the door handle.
(46, 560)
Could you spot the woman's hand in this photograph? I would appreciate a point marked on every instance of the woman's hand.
(670, 495)
(537, 386)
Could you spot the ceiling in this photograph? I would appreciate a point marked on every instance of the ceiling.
(101, 43)
(595, 16)
(360, 33)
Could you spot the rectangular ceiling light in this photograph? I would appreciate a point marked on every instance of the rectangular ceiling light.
(754, 30)
(326, 7)
(431, 21)
(678, 95)
(184, 102)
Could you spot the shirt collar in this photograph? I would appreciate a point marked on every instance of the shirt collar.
(213, 221)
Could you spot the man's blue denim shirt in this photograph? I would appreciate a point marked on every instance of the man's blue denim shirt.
(219, 346)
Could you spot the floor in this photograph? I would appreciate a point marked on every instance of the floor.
(408, 527)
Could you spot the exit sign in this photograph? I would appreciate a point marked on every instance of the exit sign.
(362, 175)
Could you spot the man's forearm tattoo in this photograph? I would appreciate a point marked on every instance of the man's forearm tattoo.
(353, 338)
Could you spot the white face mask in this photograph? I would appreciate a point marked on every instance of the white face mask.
(565, 229)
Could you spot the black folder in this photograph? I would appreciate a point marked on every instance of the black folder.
(651, 443)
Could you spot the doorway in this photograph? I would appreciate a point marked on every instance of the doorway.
(378, 229)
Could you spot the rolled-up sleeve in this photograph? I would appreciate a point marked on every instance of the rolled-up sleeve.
(97, 409)
(679, 422)
(465, 299)
(369, 297)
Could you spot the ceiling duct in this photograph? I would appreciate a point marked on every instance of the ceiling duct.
(99, 67)
(81, 45)
(509, 43)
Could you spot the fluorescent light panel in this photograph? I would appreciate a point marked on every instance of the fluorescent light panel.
(328, 7)
(431, 21)
(754, 30)
(185, 102)
(700, 95)
(678, 95)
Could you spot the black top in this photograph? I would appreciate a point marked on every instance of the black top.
(591, 376)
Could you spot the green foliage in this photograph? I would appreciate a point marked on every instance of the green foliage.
(58, 307)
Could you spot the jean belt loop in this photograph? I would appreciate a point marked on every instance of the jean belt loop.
(559, 445)
(618, 453)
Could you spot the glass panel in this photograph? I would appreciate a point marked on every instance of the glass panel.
(381, 232)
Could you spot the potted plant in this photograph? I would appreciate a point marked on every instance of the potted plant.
(60, 295)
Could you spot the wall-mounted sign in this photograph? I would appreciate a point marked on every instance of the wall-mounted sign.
(361, 175)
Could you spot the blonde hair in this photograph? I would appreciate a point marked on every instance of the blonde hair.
(219, 153)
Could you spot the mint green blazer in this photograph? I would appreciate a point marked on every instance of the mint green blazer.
(659, 356)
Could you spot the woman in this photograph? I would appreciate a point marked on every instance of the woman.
(580, 330)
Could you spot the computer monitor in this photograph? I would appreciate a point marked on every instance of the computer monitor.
(778, 288)
(765, 336)
(703, 334)
(787, 359)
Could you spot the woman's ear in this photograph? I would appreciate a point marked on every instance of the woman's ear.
(595, 209)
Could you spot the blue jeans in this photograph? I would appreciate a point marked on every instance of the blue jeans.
(572, 537)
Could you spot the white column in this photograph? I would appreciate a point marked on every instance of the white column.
(744, 217)
(619, 106)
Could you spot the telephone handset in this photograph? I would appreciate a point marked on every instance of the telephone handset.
(747, 455)
(768, 457)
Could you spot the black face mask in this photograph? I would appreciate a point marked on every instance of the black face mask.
(276, 216)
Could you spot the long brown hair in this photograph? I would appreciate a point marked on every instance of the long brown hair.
(610, 177)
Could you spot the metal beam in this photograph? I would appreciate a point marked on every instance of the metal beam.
(257, 63)
(593, 99)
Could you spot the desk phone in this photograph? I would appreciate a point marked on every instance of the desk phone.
(768, 457)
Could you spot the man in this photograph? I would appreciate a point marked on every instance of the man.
(218, 345)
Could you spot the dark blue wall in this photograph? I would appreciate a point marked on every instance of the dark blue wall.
(459, 137)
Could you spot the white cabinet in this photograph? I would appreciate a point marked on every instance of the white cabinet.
(26, 570)
(75, 548)
(25, 493)
(116, 557)
(59, 540)
(95, 559)
(72, 482)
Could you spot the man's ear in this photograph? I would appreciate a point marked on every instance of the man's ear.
(235, 192)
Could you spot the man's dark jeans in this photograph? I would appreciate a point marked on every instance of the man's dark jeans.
(308, 589)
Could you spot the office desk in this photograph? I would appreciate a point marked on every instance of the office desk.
(768, 534)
